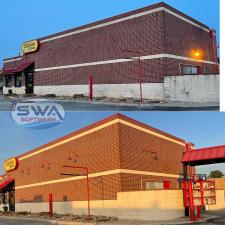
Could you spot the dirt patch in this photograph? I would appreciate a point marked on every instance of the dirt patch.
(86, 98)
(58, 217)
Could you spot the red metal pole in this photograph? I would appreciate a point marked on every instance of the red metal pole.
(214, 53)
(50, 205)
(88, 187)
(140, 78)
(88, 193)
(185, 193)
(191, 200)
(202, 192)
(198, 212)
(91, 88)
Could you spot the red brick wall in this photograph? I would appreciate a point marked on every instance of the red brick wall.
(12, 64)
(145, 152)
(182, 38)
(99, 151)
(104, 74)
(156, 33)
(144, 33)
(113, 147)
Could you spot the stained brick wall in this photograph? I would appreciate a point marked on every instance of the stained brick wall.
(156, 33)
(12, 64)
(182, 38)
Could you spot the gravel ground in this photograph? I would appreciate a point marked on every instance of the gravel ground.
(103, 104)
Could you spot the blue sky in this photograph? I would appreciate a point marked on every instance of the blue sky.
(22, 20)
(202, 128)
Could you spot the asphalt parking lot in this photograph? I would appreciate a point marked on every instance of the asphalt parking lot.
(4, 221)
(70, 105)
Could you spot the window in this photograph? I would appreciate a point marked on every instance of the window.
(190, 70)
(9, 81)
(154, 185)
(18, 80)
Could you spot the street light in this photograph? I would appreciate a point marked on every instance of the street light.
(138, 58)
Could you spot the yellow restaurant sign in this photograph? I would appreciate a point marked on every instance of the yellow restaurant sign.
(10, 164)
(30, 46)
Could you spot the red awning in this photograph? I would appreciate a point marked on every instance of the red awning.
(7, 71)
(19, 68)
(23, 66)
(5, 184)
(205, 156)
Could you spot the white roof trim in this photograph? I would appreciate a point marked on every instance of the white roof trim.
(124, 19)
(11, 60)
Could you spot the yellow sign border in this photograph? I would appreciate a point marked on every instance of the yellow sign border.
(14, 166)
(26, 50)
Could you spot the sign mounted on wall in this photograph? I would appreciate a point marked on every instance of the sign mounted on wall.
(30, 46)
(11, 164)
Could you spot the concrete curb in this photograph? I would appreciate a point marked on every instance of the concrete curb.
(45, 220)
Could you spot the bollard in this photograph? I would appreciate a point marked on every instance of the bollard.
(50, 205)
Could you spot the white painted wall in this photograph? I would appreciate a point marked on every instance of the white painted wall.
(153, 91)
(15, 90)
(152, 205)
(192, 88)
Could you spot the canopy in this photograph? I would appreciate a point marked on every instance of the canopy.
(19, 68)
(23, 66)
(205, 156)
(6, 184)
(7, 71)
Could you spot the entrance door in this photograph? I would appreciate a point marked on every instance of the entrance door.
(11, 195)
(29, 82)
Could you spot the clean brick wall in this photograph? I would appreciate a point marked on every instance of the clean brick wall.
(96, 151)
(145, 152)
(111, 148)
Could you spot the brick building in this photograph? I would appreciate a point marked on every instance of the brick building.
(122, 155)
(159, 39)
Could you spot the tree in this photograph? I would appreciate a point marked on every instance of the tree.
(216, 174)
